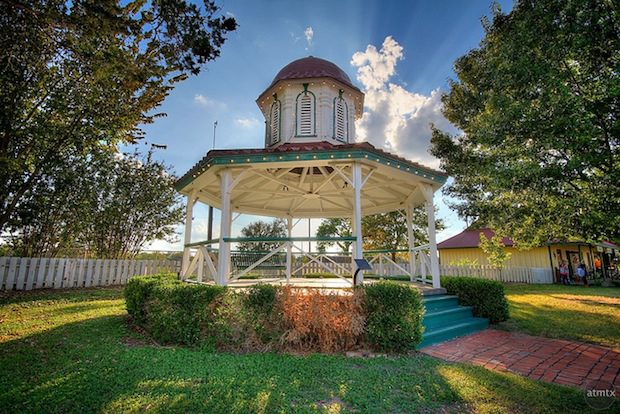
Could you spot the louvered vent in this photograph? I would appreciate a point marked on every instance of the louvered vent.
(275, 123)
(305, 113)
(340, 120)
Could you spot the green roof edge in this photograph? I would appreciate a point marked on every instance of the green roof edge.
(332, 154)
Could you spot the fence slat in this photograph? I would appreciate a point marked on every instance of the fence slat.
(60, 270)
(12, 274)
(105, 272)
(3, 267)
(32, 273)
(41, 272)
(24, 262)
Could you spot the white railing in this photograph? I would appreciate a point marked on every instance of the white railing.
(27, 273)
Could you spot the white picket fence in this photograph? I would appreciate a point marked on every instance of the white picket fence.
(27, 273)
(509, 274)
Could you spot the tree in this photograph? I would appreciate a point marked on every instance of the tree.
(108, 205)
(389, 230)
(277, 228)
(495, 250)
(132, 202)
(380, 231)
(334, 227)
(538, 104)
(84, 75)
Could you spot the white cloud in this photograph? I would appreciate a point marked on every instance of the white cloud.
(309, 35)
(204, 100)
(395, 118)
(248, 123)
(374, 68)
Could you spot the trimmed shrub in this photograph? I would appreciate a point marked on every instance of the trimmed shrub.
(261, 298)
(138, 291)
(320, 321)
(485, 296)
(180, 312)
(393, 316)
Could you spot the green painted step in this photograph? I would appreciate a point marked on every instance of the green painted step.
(464, 327)
(447, 316)
(436, 302)
(445, 319)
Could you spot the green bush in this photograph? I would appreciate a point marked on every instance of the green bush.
(170, 310)
(485, 296)
(180, 312)
(261, 298)
(263, 310)
(137, 293)
(393, 316)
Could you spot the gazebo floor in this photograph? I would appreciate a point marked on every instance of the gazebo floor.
(326, 283)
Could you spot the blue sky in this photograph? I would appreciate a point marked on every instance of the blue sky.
(408, 47)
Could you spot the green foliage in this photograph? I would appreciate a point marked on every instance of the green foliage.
(261, 298)
(106, 204)
(172, 311)
(85, 75)
(180, 312)
(495, 250)
(137, 293)
(381, 231)
(277, 228)
(539, 158)
(334, 227)
(263, 309)
(394, 314)
(464, 261)
(485, 296)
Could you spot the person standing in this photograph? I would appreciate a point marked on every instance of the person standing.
(564, 273)
(582, 273)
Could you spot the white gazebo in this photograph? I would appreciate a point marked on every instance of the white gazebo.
(310, 167)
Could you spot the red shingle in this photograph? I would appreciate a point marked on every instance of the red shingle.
(470, 238)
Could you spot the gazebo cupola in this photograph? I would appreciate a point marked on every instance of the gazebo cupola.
(310, 100)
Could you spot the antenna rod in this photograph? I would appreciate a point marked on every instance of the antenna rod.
(214, 128)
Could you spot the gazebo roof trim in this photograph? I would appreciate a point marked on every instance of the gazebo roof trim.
(304, 152)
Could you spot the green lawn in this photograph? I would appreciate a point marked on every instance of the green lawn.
(589, 314)
(73, 352)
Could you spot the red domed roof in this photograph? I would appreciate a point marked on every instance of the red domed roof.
(312, 67)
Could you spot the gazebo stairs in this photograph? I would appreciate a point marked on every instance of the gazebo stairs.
(445, 319)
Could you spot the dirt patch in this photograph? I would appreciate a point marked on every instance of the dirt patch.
(335, 405)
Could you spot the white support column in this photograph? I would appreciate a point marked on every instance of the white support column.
(289, 248)
(411, 241)
(189, 211)
(352, 246)
(357, 216)
(223, 267)
(432, 239)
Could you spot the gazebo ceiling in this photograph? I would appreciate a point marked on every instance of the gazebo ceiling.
(310, 180)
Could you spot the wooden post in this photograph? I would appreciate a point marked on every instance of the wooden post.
(289, 248)
(189, 211)
(357, 217)
(223, 268)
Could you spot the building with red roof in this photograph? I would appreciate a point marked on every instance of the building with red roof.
(463, 248)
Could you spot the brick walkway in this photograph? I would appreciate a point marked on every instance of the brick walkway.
(552, 360)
